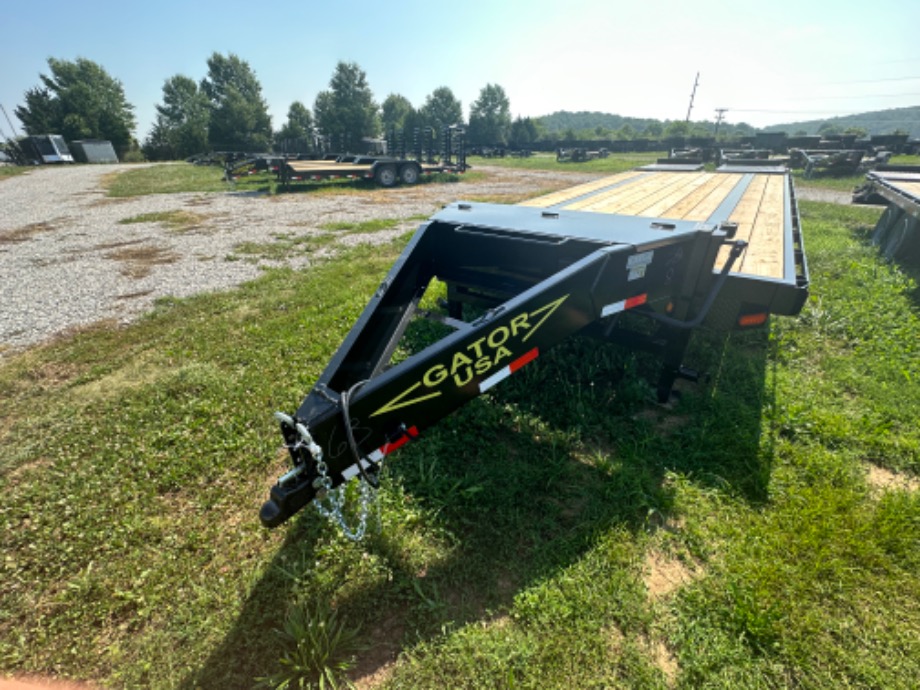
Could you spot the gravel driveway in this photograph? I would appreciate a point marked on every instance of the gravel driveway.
(67, 258)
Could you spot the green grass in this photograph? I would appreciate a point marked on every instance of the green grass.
(172, 178)
(178, 220)
(166, 178)
(520, 543)
(7, 171)
(547, 161)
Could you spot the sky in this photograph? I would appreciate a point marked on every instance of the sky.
(763, 62)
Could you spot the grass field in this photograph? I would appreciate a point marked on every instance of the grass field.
(561, 531)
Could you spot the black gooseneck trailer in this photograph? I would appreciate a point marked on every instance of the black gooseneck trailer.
(681, 248)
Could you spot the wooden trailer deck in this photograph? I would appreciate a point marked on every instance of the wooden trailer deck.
(762, 205)
(901, 187)
(343, 168)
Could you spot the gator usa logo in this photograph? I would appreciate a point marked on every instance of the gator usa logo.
(477, 358)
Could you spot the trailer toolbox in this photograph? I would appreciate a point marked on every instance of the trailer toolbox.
(641, 258)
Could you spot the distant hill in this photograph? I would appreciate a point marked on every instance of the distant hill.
(877, 122)
(563, 120)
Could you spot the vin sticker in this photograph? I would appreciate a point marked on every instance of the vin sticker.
(636, 273)
(643, 259)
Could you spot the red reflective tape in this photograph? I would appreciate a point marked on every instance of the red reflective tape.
(387, 448)
(524, 359)
(636, 301)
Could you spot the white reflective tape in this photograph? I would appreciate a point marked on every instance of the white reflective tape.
(352, 471)
(614, 308)
(494, 379)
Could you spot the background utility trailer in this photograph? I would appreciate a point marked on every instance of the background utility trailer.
(640, 258)
(897, 232)
(384, 170)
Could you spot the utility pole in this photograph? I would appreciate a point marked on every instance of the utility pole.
(8, 121)
(720, 112)
(692, 96)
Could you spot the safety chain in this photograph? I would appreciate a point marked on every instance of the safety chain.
(336, 498)
(368, 499)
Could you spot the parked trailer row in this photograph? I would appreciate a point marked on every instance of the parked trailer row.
(641, 258)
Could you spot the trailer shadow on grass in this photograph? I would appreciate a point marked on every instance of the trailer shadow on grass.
(512, 489)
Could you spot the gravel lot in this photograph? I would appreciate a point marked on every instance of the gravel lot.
(66, 260)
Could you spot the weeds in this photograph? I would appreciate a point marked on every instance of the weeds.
(318, 648)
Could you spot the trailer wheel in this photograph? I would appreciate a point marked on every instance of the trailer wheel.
(385, 175)
(409, 173)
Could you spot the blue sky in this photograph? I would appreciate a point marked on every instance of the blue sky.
(766, 62)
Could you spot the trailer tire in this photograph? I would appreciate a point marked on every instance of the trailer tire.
(409, 173)
(385, 175)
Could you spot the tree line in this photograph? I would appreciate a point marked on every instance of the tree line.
(226, 111)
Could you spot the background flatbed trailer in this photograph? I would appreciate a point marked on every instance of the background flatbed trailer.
(384, 170)
(897, 232)
(641, 258)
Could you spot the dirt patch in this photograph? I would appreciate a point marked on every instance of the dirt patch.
(664, 660)
(134, 295)
(139, 260)
(884, 479)
(23, 471)
(117, 245)
(26, 232)
(375, 665)
(35, 683)
(664, 574)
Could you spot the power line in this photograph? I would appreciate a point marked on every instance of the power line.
(797, 112)
(854, 96)
(873, 81)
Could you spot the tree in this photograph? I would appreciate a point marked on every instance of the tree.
(181, 126)
(654, 129)
(441, 109)
(397, 113)
(239, 118)
(490, 117)
(79, 100)
(677, 128)
(347, 112)
(297, 132)
(524, 133)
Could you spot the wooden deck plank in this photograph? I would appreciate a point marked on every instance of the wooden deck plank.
(912, 188)
(718, 189)
(664, 206)
(694, 196)
(343, 168)
(761, 222)
(564, 195)
(642, 192)
(767, 236)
